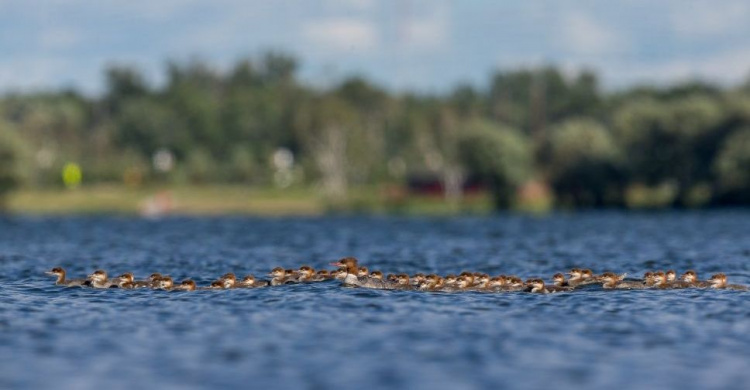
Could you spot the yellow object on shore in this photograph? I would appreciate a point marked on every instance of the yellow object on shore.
(72, 175)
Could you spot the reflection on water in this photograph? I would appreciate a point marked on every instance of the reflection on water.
(321, 335)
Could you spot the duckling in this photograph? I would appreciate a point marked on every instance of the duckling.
(165, 283)
(99, 279)
(249, 281)
(61, 281)
(185, 285)
(610, 280)
(416, 279)
(536, 286)
(278, 276)
(403, 282)
(514, 283)
(151, 282)
(576, 277)
(124, 281)
(719, 281)
(306, 274)
(691, 278)
(559, 280)
(229, 280)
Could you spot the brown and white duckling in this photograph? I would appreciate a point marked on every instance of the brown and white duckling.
(514, 283)
(671, 275)
(61, 281)
(449, 280)
(536, 286)
(305, 274)
(464, 282)
(216, 285)
(124, 281)
(481, 282)
(403, 282)
(278, 276)
(649, 278)
(432, 282)
(719, 281)
(165, 283)
(497, 283)
(588, 277)
(363, 272)
(229, 280)
(185, 285)
(99, 279)
(290, 276)
(559, 280)
(250, 281)
(416, 279)
(151, 282)
(377, 275)
(660, 280)
(610, 280)
(575, 277)
(691, 278)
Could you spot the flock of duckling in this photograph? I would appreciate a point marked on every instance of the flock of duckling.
(351, 274)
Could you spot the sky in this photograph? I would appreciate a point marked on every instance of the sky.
(425, 46)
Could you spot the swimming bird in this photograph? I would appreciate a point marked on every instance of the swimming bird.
(61, 281)
(229, 280)
(165, 283)
(99, 279)
(151, 282)
(305, 274)
(185, 285)
(559, 280)
(278, 276)
(124, 281)
(249, 281)
(719, 281)
(610, 280)
(691, 278)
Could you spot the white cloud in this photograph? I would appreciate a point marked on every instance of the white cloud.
(342, 34)
(710, 18)
(581, 34)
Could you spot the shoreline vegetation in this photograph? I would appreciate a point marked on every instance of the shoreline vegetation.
(218, 200)
(229, 200)
(254, 138)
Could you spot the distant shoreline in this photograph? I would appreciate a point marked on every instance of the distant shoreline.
(219, 200)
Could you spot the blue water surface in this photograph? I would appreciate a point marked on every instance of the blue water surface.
(318, 336)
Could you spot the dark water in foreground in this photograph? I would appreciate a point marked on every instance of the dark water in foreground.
(322, 335)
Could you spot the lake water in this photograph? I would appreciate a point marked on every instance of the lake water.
(321, 335)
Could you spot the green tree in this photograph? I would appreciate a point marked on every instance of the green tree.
(12, 169)
(732, 166)
(584, 164)
(498, 155)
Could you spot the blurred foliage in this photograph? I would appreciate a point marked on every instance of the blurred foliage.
(498, 155)
(531, 130)
(584, 164)
(13, 152)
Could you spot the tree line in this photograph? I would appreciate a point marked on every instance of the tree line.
(684, 145)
